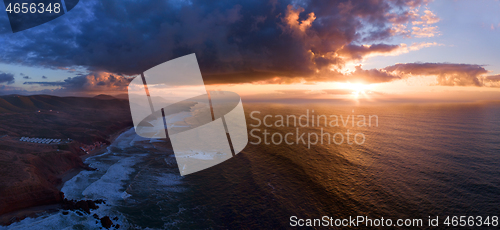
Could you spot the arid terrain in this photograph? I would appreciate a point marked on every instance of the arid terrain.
(31, 172)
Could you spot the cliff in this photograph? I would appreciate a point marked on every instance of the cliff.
(30, 172)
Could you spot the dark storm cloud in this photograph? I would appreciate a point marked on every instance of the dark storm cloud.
(6, 78)
(239, 41)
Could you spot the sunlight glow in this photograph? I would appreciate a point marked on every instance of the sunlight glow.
(358, 89)
(355, 87)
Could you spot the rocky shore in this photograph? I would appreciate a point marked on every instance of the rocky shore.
(81, 207)
(31, 173)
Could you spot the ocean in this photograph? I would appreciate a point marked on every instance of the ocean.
(417, 161)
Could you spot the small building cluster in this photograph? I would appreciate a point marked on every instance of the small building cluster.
(40, 140)
(91, 147)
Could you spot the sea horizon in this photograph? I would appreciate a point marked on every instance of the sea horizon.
(270, 114)
(415, 174)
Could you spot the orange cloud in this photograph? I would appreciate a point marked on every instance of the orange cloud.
(421, 24)
(425, 31)
(492, 81)
(447, 74)
(292, 19)
(429, 17)
(353, 52)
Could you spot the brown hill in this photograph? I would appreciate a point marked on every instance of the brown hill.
(105, 97)
(30, 172)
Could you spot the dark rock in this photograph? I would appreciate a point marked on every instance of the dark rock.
(116, 218)
(91, 204)
(83, 205)
(88, 168)
(99, 202)
(65, 213)
(106, 222)
(117, 226)
(68, 204)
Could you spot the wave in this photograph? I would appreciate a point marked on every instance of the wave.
(108, 182)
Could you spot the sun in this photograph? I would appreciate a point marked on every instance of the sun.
(357, 88)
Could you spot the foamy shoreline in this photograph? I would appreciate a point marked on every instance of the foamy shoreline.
(36, 211)
(75, 171)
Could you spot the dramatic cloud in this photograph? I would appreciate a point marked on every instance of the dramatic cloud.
(354, 52)
(92, 82)
(493, 78)
(446, 74)
(492, 81)
(293, 23)
(372, 76)
(6, 78)
(247, 41)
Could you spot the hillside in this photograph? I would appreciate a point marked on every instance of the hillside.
(30, 172)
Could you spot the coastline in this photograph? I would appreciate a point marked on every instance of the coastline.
(35, 211)
(74, 171)
(112, 139)
(15, 216)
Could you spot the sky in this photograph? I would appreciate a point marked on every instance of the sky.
(374, 50)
